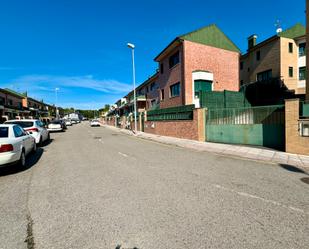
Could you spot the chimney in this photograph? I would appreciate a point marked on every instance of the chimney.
(251, 41)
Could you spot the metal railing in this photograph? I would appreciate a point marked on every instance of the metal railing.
(173, 113)
(247, 115)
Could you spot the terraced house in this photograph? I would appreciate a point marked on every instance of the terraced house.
(205, 59)
(281, 56)
(10, 104)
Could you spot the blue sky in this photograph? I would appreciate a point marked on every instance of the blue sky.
(79, 46)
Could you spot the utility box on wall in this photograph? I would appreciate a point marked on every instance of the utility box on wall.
(304, 128)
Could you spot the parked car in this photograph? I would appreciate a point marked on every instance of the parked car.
(35, 127)
(55, 125)
(73, 121)
(15, 144)
(94, 123)
(68, 122)
(63, 124)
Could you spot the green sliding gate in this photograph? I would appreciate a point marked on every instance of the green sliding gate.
(261, 126)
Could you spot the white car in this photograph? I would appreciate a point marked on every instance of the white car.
(68, 122)
(95, 122)
(15, 144)
(33, 126)
(55, 125)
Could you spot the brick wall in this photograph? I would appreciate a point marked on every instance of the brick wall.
(287, 60)
(169, 77)
(270, 59)
(187, 129)
(223, 64)
(294, 143)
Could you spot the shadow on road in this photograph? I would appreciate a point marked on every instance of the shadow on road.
(293, 169)
(46, 143)
(31, 160)
(305, 180)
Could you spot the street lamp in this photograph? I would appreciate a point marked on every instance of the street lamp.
(56, 92)
(132, 47)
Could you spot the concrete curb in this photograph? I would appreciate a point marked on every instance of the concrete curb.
(237, 151)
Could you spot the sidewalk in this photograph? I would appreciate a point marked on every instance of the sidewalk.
(239, 151)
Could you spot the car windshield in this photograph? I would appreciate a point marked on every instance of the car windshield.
(23, 124)
(4, 132)
(56, 122)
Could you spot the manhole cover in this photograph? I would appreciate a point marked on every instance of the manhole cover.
(97, 137)
(305, 180)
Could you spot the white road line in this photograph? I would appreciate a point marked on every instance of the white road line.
(125, 155)
(261, 199)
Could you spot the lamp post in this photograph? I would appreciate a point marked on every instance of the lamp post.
(132, 47)
(56, 92)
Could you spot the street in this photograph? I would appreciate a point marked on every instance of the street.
(99, 188)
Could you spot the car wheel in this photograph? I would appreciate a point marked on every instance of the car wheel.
(22, 160)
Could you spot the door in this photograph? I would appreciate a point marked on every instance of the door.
(22, 138)
(202, 85)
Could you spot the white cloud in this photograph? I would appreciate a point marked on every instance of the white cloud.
(50, 82)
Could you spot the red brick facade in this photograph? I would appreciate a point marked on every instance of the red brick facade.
(187, 129)
(169, 77)
(223, 64)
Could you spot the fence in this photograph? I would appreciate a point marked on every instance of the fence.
(225, 99)
(247, 115)
(173, 113)
(262, 126)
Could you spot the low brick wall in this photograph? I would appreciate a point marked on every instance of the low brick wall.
(187, 129)
(293, 141)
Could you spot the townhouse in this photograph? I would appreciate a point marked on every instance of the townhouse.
(205, 59)
(35, 107)
(202, 60)
(10, 104)
(14, 105)
(281, 56)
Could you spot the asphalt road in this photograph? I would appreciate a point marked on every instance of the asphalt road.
(97, 188)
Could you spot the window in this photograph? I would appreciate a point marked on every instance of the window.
(162, 94)
(175, 90)
(153, 102)
(10, 102)
(258, 55)
(302, 73)
(241, 82)
(152, 86)
(2, 101)
(18, 132)
(290, 72)
(290, 47)
(241, 65)
(264, 76)
(4, 132)
(174, 59)
(302, 49)
(248, 69)
(161, 68)
(147, 89)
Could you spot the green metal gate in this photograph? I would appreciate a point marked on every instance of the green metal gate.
(261, 126)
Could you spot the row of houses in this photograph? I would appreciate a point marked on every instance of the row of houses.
(207, 60)
(205, 89)
(14, 105)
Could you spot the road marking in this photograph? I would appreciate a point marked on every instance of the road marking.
(125, 155)
(261, 199)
